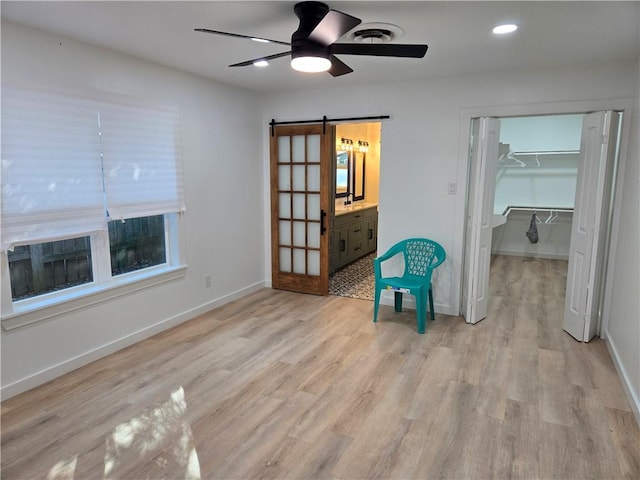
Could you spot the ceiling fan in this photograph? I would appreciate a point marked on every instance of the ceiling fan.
(313, 47)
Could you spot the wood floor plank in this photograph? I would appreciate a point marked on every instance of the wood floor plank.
(594, 438)
(519, 441)
(555, 390)
(283, 385)
(626, 437)
(524, 375)
(559, 457)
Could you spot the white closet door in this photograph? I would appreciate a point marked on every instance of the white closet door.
(484, 159)
(593, 191)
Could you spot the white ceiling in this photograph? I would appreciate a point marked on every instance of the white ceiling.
(458, 34)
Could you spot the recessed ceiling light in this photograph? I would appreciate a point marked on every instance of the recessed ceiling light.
(261, 63)
(261, 40)
(505, 28)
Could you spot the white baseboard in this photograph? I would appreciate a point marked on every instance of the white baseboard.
(634, 400)
(32, 381)
(409, 302)
(514, 253)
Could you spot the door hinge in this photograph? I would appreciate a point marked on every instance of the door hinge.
(605, 139)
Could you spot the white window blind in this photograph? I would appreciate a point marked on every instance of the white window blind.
(66, 161)
(51, 169)
(142, 173)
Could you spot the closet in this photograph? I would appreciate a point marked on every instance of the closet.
(535, 186)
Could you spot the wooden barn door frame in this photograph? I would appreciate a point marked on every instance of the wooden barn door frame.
(300, 162)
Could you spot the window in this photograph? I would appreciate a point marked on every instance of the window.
(46, 267)
(136, 244)
(91, 190)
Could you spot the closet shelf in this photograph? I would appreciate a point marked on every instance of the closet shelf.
(511, 208)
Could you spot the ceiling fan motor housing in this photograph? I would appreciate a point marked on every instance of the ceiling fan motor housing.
(310, 15)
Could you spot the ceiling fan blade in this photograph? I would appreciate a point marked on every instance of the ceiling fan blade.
(267, 58)
(380, 49)
(237, 35)
(332, 27)
(338, 67)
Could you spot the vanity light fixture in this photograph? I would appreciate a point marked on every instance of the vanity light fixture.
(347, 144)
(505, 28)
(363, 146)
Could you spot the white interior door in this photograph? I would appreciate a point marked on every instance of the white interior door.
(482, 178)
(586, 253)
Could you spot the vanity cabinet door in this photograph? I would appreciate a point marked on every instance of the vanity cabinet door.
(342, 249)
(354, 235)
(356, 238)
(371, 233)
(370, 230)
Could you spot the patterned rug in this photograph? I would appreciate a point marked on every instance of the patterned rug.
(355, 280)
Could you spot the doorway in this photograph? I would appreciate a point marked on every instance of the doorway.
(354, 220)
(535, 185)
(542, 181)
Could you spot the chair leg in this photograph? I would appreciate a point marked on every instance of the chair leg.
(376, 304)
(398, 301)
(433, 312)
(421, 311)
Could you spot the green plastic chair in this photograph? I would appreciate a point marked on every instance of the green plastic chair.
(421, 256)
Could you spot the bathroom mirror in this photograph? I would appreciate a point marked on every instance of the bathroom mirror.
(359, 161)
(343, 173)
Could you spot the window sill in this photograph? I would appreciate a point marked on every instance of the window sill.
(37, 310)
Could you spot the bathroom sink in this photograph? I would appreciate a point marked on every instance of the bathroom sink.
(354, 206)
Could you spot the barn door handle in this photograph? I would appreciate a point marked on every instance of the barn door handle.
(323, 215)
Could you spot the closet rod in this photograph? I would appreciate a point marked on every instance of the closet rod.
(549, 152)
(324, 121)
(509, 209)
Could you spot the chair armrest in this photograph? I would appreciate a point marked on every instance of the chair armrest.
(438, 262)
(377, 262)
(386, 256)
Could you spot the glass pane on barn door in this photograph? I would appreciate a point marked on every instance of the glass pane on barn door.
(313, 262)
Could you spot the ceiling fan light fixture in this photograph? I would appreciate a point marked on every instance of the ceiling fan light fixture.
(310, 64)
(505, 28)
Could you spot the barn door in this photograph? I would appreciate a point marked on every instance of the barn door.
(300, 201)
(586, 253)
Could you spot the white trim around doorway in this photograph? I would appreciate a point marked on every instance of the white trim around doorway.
(551, 108)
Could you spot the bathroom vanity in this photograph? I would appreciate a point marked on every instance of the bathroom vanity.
(354, 234)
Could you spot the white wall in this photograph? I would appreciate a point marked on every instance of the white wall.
(545, 180)
(424, 148)
(554, 238)
(623, 322)
(543, 133)
(224, 223)
(548, 181)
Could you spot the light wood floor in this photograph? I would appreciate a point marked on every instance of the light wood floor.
(282, 385)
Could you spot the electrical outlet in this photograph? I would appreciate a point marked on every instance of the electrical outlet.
(207, 280)
(453, 188)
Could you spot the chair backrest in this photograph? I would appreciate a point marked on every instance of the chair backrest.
(421, 255)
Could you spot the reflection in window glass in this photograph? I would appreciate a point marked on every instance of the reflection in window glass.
(136, 243)
(50, 266)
